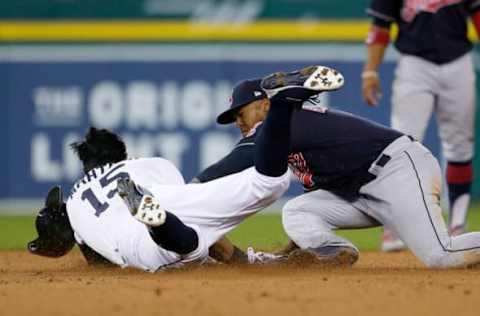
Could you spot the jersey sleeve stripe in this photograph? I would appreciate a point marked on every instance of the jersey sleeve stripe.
(244, 144)
(379, 15)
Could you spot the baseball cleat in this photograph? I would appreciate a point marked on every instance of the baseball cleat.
(313, 79)
(142, 204)
(330, 256)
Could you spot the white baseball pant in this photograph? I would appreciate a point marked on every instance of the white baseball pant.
(422, 87)
(405, 196)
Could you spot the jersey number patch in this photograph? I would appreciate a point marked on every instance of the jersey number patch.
(88, 194)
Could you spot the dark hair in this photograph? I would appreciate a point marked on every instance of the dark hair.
(99, 148)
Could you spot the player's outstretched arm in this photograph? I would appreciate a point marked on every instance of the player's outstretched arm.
(239, 159)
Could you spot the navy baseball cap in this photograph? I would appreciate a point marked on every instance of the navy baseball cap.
(243, 94)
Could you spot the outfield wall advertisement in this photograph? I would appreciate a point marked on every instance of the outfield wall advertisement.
(161, 99)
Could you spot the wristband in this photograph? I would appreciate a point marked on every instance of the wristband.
(369, 74)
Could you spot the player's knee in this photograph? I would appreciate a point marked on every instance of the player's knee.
(289, 208)
(305, 229)
(292, 215)
(291, 220)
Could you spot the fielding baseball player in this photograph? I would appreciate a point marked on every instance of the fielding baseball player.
(435, 73)
(173, 223)
(356, 174)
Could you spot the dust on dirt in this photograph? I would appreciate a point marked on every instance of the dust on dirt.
(379, 284)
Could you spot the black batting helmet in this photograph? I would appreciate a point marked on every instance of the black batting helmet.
(55, 234)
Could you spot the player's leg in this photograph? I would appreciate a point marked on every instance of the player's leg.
(413, 96)
(459, 176)
(259, 188)
(166, 229)
(412, 106)
(310, 219)
(456, 116)
(271, 164)
(218, 206)
(272, 146)
(287, 91)
(406, 196)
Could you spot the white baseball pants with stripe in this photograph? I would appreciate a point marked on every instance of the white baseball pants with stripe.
(405, 196)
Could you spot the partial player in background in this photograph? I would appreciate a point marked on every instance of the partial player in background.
(173, 224)
(435, 73)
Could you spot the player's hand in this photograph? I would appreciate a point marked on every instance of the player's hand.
(371, 90)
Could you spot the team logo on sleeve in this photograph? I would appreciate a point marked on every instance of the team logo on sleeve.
(413, 7)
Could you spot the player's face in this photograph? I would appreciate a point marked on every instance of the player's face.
(251, 114)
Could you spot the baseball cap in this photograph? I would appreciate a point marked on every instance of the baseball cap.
(243, 94)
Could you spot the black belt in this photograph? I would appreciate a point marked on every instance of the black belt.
(381, 161)
(384, 158)
(350, 190)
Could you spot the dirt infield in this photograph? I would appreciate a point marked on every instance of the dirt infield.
(380, 284)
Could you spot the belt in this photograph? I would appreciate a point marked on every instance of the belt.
(351, 190)
(395, 147)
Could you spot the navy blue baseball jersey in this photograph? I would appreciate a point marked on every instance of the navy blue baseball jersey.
(330, 150)
(435, 30)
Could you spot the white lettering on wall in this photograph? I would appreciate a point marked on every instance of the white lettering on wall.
(44, 168)
(141, 100)
(71, 164)
(105, 105)
(173, 146)
(213, 146)
(196, 105)
(140, 146)
(58, 106)
(170, 100)
(168, 120)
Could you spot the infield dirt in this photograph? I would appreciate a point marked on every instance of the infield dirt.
(379, 284)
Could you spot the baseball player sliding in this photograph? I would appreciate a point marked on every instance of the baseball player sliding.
(356, 174)
(435, 73)
(140, 213)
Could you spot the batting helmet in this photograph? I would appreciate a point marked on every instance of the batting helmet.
(55, 234)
